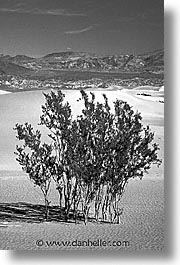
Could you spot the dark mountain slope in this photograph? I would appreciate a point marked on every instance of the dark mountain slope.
(152, 62)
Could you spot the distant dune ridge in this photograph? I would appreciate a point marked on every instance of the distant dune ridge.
(3, 92)
(161, 89)
(147, 88)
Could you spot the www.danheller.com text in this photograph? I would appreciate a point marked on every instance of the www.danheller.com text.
(82, 243)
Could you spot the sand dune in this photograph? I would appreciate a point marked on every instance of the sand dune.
(161, 88)
(110, 88)
(142, 105)
(26, 106)
(143, 201)
(146, 93)
(3, 92)
(153, 88)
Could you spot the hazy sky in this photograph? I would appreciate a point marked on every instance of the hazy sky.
(38, 27)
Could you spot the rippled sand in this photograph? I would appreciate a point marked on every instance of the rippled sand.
(142, 219)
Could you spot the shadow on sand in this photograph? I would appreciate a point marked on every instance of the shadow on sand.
(35, 213)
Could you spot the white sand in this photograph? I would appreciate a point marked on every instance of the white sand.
(3, 92)
(143, 201)
(142, 219)
(26, 106)
(161, 88)
(153, 88)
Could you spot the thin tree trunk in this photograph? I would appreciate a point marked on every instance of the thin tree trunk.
(86, 213)
(46, 207)
(98, 202)
(60, 191)
(46, 202)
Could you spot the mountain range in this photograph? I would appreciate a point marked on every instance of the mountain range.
(152, 62)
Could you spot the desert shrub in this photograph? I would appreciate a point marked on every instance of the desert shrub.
(91, 158)
(112, 147)
(56, 116)
(36, 159)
